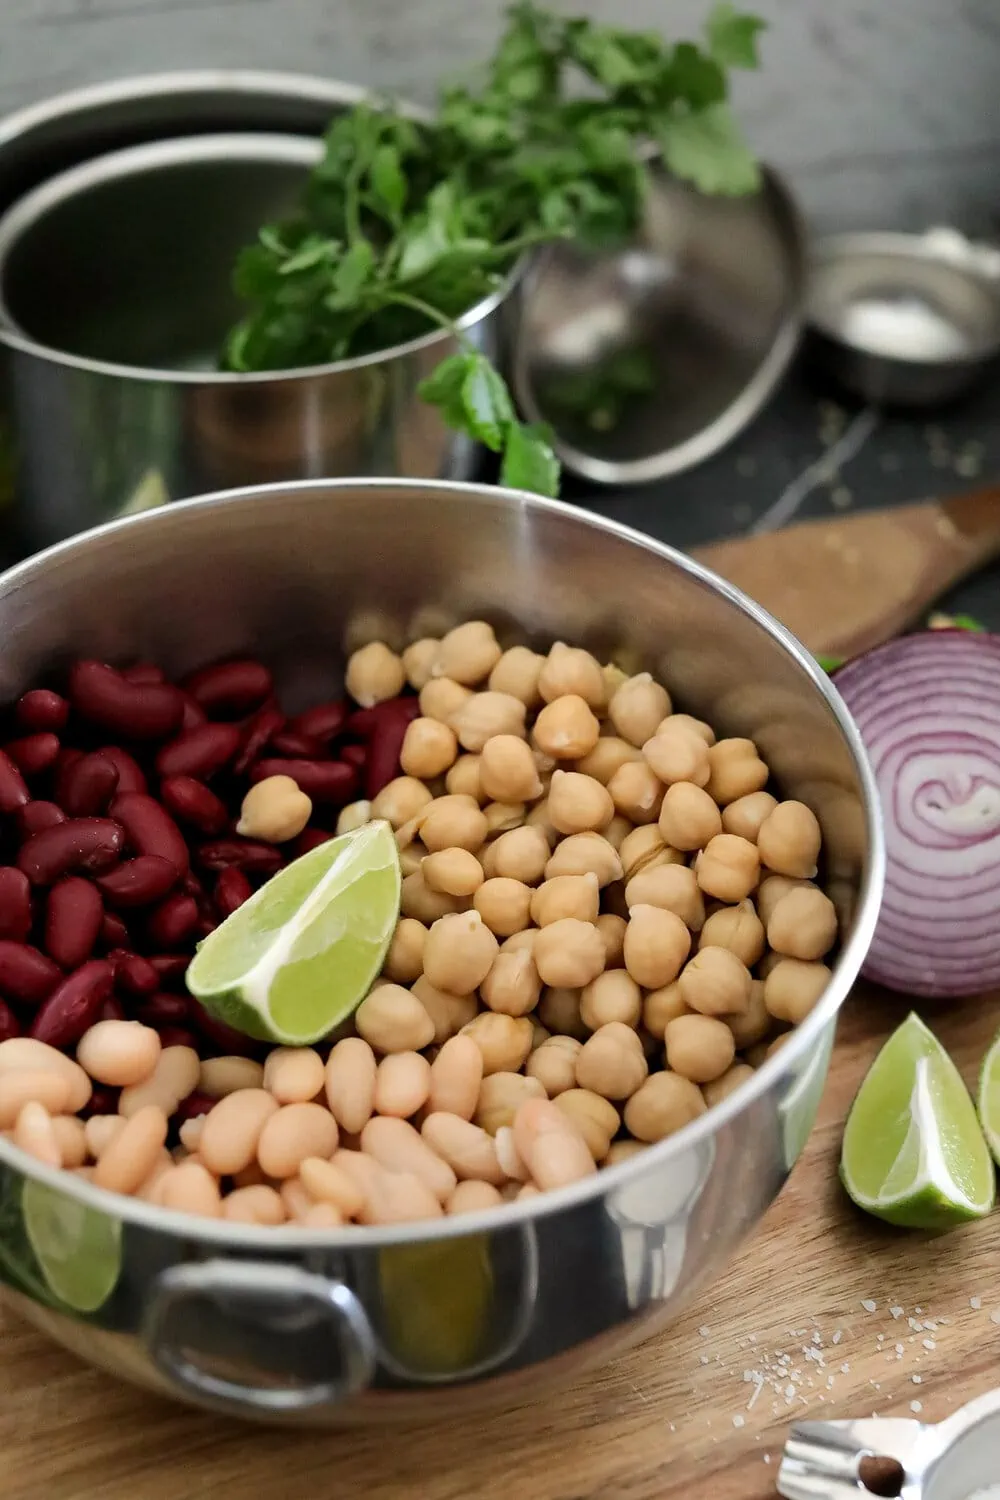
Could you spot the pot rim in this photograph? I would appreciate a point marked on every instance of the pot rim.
(513, 1215)
(224, 147)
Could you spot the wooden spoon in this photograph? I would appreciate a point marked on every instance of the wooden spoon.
(847, 584)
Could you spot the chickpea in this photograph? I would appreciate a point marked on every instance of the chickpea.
(401, 800)
(559, 1011)
(699, 1047)
(656, 945)
(803, 924)
(578, 804)
(746, 814)
(568, 669)
(732, 1079)
(275, 809)
(374, 674)
(793, 987)
(539, 818)
(453, 822)
(672, 887)
(755, 1023)
(566, 896)
(504, 905)
(728, 867)
(448, 1013)
(767, 963)
(636, 792)
(441, 699)
(418, 660)
(677, 754)
(507, 770)
(484, 715)
(618, 831)
(569, 954)
(771, 890)
(685, 721)
(411, 857)
(455, 872)
(585, 854)
(501, 1096)
(662, 1006)
(615, 676)
(689, 818)
(553, 1064)
(612, 996)
(643, 849)
(404, 961)
(789, 840)
(566, 729)
(467, 654)
(612, 929)
(608, 756)
(418, 901)
(520, 942)
(664, 1104)
(521, 855)
(512, 986)
(539, 1034)
(637, 707)
(595, 1118)
(354, 815)
(391, 1019)
(429, 748)
(504, 1041)
(736, 770)
(715, 983)
(517, 673)
(459, 952)
(737, 928)
(611, 1062)
(465, 779)
(620, 1151)
(777, 1044)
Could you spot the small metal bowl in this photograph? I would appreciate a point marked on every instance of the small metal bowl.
(901, 319)
(647, 359)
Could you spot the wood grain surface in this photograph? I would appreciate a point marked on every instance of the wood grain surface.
(678, 1417)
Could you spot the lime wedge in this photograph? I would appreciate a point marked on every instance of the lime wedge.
(989, 1097)
(77, 1248)
(299, 957)
(913, 1152)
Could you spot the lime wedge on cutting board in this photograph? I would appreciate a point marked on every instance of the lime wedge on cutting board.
(913, 1152)
(298, 958)
(989, 1097)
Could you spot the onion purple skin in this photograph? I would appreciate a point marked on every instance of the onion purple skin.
(928, 709)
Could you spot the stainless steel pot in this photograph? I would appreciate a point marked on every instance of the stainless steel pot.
(309, 1325)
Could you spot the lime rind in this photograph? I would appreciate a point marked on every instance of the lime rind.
(988, 1100)
(913, 1151)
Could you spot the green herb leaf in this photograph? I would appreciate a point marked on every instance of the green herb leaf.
(704, 147)
(830, 663)
(351, 275)
(444, 386)
(388, 181)
(529, 462)
(696, 78)
(732, 37)
(488, 408)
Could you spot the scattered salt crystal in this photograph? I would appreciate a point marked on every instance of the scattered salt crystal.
(899, 1349)
(995, 1315)
(789, 1391)
(916, 1406)
(758, 1387)
(869, 1304)
(739, 1421)
(704, 1359)
(897, 1312)
(704, 1331)
(838, 1335)
(919, 1311)
(845, 1368)
(916, 1379)
(930, 1344)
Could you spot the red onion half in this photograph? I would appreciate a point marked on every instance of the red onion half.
(928, 708)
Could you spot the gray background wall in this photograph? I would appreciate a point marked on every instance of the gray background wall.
(884, 112)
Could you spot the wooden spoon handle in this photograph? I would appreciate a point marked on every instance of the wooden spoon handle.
(976, 519)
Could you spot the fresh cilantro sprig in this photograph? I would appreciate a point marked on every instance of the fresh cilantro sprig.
(406, 225)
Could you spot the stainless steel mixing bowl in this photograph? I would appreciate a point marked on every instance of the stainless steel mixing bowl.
(412, 1320)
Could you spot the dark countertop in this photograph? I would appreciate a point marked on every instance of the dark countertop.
(905, 458)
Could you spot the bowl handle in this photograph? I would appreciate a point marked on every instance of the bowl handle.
(272, 1314)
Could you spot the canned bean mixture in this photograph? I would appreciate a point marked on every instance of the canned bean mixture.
(607, 922)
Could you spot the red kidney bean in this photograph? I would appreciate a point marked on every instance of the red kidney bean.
(26, 974)
(74, 1006)
(298, 746)
(170, 966)
(384, 750)
(365, 722)
(34, 753)
(88, 785)
(131, 776)
(200, 752)
(13, 791)
(136, 711)
(114, 933)
(355, 755)
(231, 890)
(37, 816)
(112, 1010)
(178, 1036)
(15, 904)
(66, 758)
(194, 716)
(40, 709)
(73, 915)
(174, 921)
(150, 829)
(78, 844)
(230, 1043)
(233, 687)
(102, 1101)
(138, 882)
(9, 1024)
(193, 802)
(257, 733)
(322, 780)
(323, 723)
(206, 926)
(162, 1009)
(133, 973)
(245, 854)
(194, 1105)
(144, 673)
(310, 838)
